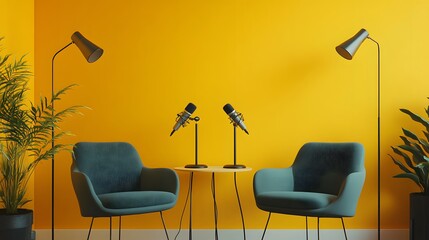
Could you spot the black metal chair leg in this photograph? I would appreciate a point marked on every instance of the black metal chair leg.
(120, 226)
(163, 224)
(318, 228)
(344, 228)
(110, 228)
(90, 228)
(266, 225)
(306, 227)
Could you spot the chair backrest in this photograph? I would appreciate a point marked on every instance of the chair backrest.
(322, 167)
(111, 166)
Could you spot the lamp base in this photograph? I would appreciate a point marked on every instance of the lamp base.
(196, 166)
(234, 166)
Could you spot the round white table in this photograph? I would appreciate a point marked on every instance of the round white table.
(213, 170)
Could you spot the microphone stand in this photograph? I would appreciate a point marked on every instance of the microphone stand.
(196, 165)
(235, 165)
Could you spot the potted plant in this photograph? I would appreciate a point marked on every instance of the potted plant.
(414, 153)
(25, 140)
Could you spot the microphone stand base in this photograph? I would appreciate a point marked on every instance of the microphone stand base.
(234, 166)
(196, 166)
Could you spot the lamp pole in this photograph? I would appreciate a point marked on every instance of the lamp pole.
(92, 53)
(53, 145)
(347, 50)
(378, 138)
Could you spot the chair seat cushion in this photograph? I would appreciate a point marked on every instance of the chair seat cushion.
(136, 199)
(295, 200)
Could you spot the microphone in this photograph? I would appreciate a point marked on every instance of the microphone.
(235, 117)
(183, 117)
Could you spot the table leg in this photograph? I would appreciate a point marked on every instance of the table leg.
(239, 204)
(190, 205)
(215, 206)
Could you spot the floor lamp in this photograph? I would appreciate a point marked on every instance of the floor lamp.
(92, 53)
(347, 50)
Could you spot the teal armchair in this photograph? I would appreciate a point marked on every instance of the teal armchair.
(110, 180)
(325, 181)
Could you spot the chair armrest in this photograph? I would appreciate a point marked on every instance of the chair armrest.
(90, 204)
(273, 179)
(159, 179)
(346, 203)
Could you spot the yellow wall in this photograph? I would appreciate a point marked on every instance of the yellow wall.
(273, 60)
(17, 28)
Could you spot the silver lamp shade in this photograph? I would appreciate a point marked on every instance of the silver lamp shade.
(90, 51)
(348, 49)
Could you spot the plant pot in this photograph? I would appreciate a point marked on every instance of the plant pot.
(419, 216)
(16, 226)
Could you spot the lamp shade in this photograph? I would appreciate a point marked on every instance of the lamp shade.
(90, 51)
(348, 49)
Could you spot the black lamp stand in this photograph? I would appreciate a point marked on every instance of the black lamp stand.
(53, 145)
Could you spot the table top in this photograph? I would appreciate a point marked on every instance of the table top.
(213, 169)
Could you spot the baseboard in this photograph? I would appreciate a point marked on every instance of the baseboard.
(236, 234)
